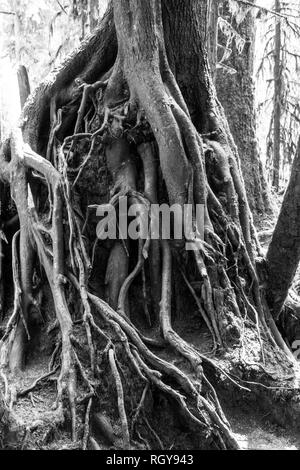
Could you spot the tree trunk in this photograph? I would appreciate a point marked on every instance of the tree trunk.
(92, 14)
(212, 37)
(236, 93)
(17, 31)
(277, 100)
(284, 251)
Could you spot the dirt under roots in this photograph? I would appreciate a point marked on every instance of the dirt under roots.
(134, 344)
(260, 399)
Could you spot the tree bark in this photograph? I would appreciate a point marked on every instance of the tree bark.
(284, 251)
(236, 93)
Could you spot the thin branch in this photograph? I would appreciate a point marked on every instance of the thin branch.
(62, 7)
(267, 10)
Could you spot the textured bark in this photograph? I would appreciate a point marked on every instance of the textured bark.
(188, 58)
(187, 54)
(284, 252)
(236, 93)
(277, 101)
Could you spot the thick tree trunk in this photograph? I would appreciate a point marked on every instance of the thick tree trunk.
(284, 251)
(236, 93)
(188, 58)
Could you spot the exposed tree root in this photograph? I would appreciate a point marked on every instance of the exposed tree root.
(121, 406)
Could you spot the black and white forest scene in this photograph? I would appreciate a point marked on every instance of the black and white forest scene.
(149, 227)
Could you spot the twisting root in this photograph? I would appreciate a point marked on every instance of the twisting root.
(139, 408)
(201, 310)
(165, 315)
(87, 425)
(154, 434)
(121, 405)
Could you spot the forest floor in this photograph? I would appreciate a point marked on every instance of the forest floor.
(255, 432)
(264, 417)
(259, 419)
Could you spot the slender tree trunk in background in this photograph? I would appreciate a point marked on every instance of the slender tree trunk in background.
(277, 100)
(284, 251)
(236, 93)
(22, 73)
(17, 31)
(92, 14)
(212, 36)
(89, 17)
(83, 25)
(187, 56)
(24, 85)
